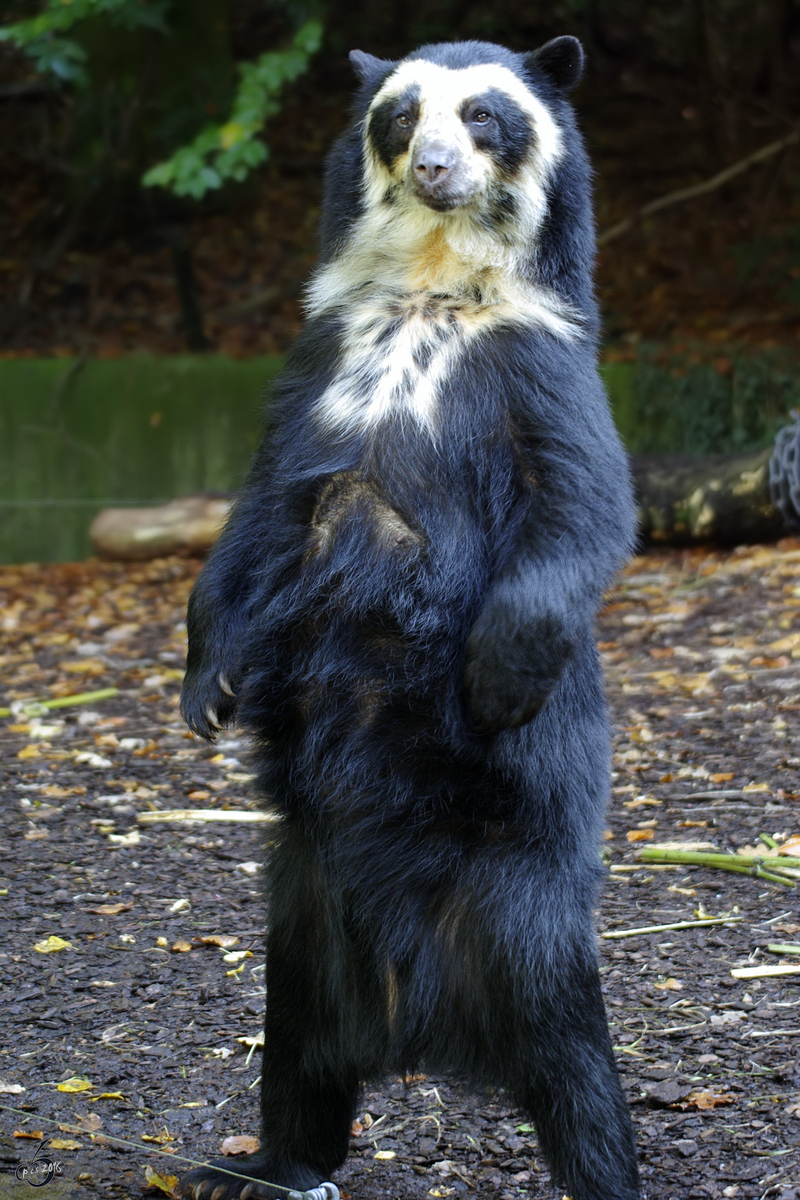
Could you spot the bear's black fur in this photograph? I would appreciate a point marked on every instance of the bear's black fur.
(400, 612)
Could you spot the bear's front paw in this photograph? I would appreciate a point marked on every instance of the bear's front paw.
(208, 701)
(499, 698)
(509, 676)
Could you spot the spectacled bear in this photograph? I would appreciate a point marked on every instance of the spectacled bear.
(400, 612)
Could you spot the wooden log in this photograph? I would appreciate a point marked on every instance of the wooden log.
(722, 498)
(189, 525)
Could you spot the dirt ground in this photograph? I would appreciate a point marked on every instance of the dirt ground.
(141, 1026)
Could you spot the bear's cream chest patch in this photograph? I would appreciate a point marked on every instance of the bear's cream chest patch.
(398, 349)
(395, 355)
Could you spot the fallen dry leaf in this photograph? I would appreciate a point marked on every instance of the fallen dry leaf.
(791, 642)
(240, 1145)
(125, 839)
(84, 1122)
(706, 1100)
(688, 683)
(162, 1183)
(77, 1083)
(52, 944)
(757, 851)
(83, 666)
(160, 1138)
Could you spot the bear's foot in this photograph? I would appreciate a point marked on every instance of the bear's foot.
(266, 1179)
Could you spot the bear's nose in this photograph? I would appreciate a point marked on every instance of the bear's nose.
(433, 163)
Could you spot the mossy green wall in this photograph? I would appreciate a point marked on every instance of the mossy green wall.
(689, 403)
(77, 436)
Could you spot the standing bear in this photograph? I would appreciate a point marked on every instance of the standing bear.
(400, 614)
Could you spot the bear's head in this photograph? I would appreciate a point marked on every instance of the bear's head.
(451, 128)
(463, 168)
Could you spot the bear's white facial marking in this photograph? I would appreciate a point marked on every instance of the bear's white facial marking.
(437, 97)
(456, 169)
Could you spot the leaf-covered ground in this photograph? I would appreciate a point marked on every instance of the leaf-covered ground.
(141, 1026)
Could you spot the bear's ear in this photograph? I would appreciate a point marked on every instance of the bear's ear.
(368, 68)
(560, 60)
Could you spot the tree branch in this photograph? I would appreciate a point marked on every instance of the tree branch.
(698, 189)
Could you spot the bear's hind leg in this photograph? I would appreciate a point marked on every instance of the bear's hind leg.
(508, 993)
(322, 1022)
(574, 1094)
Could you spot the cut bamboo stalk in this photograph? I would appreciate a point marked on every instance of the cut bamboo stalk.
(237, 815)
(31, 708)
(763, 972)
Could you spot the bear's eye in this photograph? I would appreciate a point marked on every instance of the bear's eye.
(403, 120)
(480, 118)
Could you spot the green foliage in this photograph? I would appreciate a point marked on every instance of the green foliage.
(230, 151)
(97, 47)
(43, 37)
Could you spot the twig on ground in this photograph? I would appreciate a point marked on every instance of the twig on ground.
(623, 933)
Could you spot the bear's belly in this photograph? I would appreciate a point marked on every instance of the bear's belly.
(365, 636)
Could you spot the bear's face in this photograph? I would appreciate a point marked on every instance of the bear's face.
(459, 195)
(473, 137)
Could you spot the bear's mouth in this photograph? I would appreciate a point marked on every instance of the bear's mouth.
(446, 199)
(441, 205)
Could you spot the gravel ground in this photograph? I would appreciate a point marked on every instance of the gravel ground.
(150, 1009)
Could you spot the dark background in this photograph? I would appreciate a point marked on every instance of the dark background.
(674, 93)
